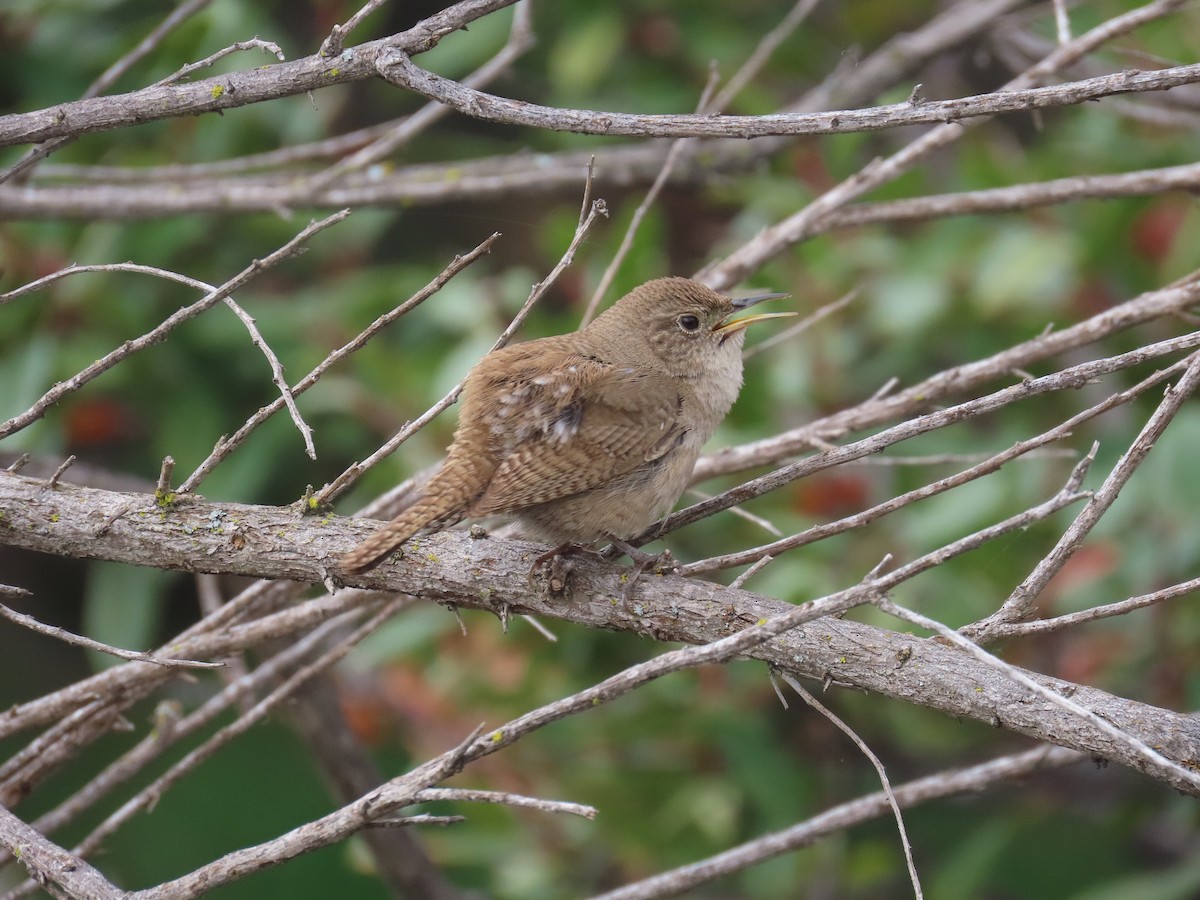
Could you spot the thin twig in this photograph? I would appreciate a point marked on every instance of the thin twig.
(1062, 22)
(614, 265)
(540, 627)
(332, 45)
(866, 751)
(18, 464)
(520, 39)
(157, 334)
(145, 798)
(504, 798)
(24, 166)
(52, 482)
(843, 817)
(1017, 606)
(268, 47)
(804, 324)
(163, 487)
(980, 469)
(1156, 760)
(765, 524)
(1072, 377)
(767, 45)
(227, 445)
(78, 640)
(741, 580)
(1002, 630)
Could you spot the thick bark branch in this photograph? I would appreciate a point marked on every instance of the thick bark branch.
(453, 569)
(62, 874)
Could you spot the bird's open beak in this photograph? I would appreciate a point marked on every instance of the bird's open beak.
(729, 326)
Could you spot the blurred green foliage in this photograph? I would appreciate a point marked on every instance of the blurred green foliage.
(697, 762)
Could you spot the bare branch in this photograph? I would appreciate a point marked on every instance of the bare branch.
(77, 640)
(159, 333)
(878, 172)
(236, 88)
(1062, 21)
(106, 80)
(227, 445)
(1151, 305)
(53, 868)
(1018, 197)
(986, 466)
(398, 68)
(866, 751)
(268, 47)
(1018, 605)
(840, 818)
(1003, 630)
(668, 608)
(332, 45)
(1075, 376)
(520, 39)
(1156, 760)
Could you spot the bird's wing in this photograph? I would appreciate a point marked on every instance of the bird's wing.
(576, 428)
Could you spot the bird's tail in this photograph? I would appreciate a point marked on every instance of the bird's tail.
(443, 504)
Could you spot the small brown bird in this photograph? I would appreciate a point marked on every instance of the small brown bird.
(592, 434)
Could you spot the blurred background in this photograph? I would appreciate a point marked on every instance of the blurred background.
(697, 762)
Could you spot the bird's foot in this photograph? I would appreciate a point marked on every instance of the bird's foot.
(656, 563)
(555, 566)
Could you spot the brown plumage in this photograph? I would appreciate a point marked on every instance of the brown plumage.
(592, 434)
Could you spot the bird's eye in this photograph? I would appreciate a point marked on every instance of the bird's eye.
(689, 322)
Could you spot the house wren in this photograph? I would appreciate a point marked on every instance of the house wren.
(592, 434)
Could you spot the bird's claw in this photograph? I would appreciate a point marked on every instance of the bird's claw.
(656, 563)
